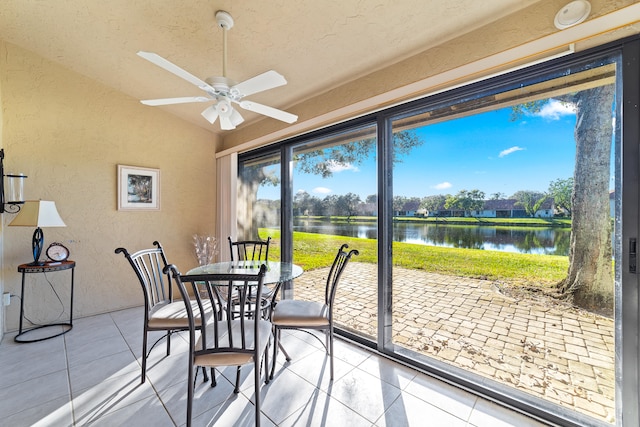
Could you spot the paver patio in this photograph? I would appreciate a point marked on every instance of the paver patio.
(551, 350)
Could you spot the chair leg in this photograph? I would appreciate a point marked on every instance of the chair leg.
(237, 389)
(144, 355)
(286, 355)
(256, 380)
(276, 337)
(266, 364)
(195, 378)
(213, 378)
(331, 350)
(169, 342)
(190, 389)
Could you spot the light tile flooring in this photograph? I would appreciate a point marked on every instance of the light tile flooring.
(91, 376)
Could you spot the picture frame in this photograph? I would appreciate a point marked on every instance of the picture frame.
(138, 188)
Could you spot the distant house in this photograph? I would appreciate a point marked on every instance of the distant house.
(408, 209)
(501, 208)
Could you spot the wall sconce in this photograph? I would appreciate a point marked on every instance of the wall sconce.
(14, 199)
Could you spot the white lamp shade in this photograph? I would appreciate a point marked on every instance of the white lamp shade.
(38, 213)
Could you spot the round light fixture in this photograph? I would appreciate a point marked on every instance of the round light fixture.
(572, 14)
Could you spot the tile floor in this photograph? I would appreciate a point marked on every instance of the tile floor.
(91, 376)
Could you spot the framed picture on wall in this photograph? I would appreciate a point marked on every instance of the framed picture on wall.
(138, 188)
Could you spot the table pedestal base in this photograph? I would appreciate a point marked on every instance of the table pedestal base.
(23, 336)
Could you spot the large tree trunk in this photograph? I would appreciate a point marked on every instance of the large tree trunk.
(589, 281)
(248, 215)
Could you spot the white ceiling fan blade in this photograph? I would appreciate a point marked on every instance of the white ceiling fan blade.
(259, 83)
(174, 69)
(211, 114)
(169, 101)
(268, 111)
(225, 123)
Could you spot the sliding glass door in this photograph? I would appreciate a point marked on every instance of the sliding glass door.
(497, 227)
(503, 267)
(335, 202)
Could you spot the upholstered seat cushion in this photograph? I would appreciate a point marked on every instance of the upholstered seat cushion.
(300, 313)
(232, 358)
(173, 315)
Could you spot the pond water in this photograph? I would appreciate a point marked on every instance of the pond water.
(530, 240)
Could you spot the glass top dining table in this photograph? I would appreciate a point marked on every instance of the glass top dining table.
(277, 272)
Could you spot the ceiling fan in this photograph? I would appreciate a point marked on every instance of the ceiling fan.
(221, 90)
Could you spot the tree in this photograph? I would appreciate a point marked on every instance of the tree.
(347, 204)
(589, 281)
(530, 201)
(317, 207)
(330, 205)
(253, 177)
(323, 161)
(589, 278)
(305, 204)
(398, 203)
(562, 190)
(434, 203)
(466, 201)
(498, 196)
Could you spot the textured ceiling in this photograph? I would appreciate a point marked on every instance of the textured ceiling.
(316, 44)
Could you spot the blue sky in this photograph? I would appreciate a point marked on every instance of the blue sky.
(487, 151)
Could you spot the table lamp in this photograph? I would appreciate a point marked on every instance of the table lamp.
(38, 213)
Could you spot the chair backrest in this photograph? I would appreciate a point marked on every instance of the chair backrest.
(148, 264)
(333, 278)
(228, 332)
(249, 250)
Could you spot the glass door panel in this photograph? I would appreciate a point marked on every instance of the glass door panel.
(259, 201)
(502, 239)
(334, 183)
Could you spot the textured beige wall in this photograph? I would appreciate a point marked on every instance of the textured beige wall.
(68, 134)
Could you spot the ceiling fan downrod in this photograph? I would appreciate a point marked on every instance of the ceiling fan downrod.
(225, 21)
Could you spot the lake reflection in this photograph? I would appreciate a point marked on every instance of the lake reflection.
(530, 240)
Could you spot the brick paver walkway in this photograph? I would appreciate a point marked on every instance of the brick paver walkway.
(553, 351)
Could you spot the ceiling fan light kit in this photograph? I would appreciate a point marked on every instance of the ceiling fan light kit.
(222, 91)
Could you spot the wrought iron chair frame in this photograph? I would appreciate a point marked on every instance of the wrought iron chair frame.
(324, 322)
(216, 346)
(149, 265)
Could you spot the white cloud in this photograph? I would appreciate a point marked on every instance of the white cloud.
(510, 150)
(339, 167)
(321, 190)
(443, 185)
(553, 110)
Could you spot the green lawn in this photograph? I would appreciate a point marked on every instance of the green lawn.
(318, 250)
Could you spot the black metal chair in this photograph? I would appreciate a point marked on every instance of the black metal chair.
(249, 250)
(227, 340)
(253, 250)
(318, 315)
(161, 312)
